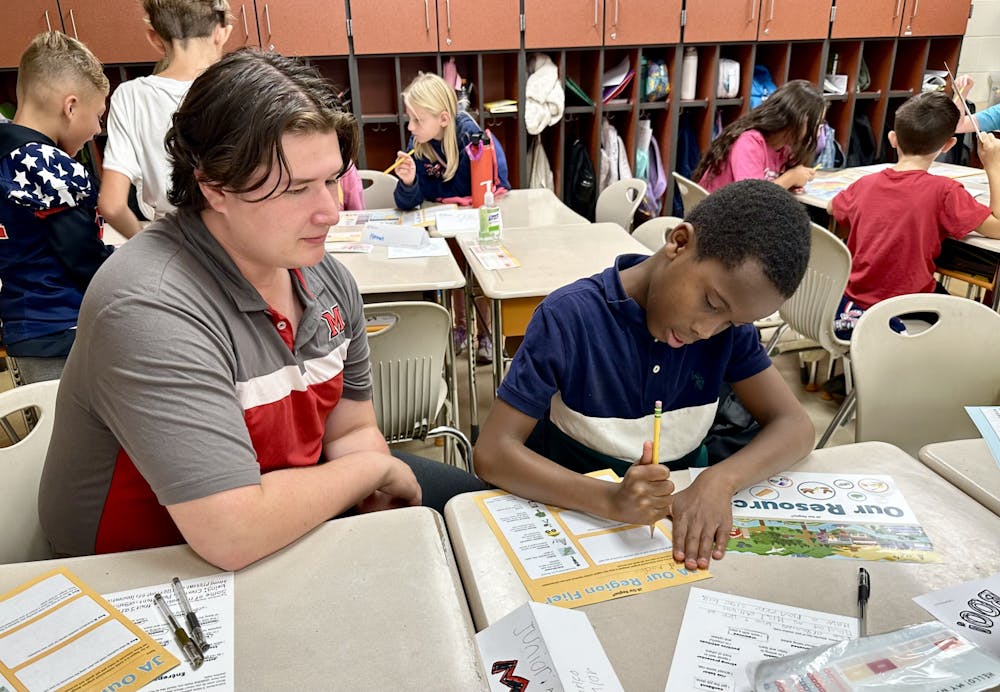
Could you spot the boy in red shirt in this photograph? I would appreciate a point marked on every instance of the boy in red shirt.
(899, 217)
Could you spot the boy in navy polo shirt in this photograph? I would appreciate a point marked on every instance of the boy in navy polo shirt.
(598, 353)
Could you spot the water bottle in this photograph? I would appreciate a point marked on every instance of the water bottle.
(689, 73)
(463, 98)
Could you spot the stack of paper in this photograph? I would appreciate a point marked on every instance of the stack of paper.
(501, 106)
(615, 80)
(574, 89)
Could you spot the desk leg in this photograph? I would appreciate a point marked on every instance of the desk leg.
(452, 372)
(470, 351)
(497, 346)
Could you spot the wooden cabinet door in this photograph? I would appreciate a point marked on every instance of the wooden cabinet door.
(867, 18)
(470, 25)
(302, 27)
(935, 17)
(244, 31)
(22, 20)
(563, 23)
(114, 30)
(641, 22)
(720, 21)
(394, 26)
(787, 20)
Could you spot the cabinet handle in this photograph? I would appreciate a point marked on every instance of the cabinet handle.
(753, 10)
(447, 11)
(899, 8)
(72, 20)
(246, 29)
(916, 4)
(616, 13)
(267, 20)
(771, 15)
(47, 22)
(427, 17)
(595, 11)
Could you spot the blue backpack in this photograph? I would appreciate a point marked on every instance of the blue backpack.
(762, 86)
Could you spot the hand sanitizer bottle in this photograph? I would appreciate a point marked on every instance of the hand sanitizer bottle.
(490, 223)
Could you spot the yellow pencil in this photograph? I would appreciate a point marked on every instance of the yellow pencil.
(657, 416)
(817, 166)
(399, 160)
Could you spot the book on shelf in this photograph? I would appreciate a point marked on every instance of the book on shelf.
(611, 92)
(501, 106)
(575, 89)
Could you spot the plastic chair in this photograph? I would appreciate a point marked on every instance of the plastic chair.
(653, 233)
(619, 201)
(812, 308)
(409, 343)
(911, 388)
(21, 468)
(691, 192)
(378, 189)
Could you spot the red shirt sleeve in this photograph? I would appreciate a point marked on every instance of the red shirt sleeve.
(959, 213)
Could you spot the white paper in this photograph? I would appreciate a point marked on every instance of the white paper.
(352, 248)
(213, 600)
(435, 247)
(545, 647)
(987, 420)
(493, 256)
(457, 221)
(721, 634)
(971, 609)
(616, 74)
(394, 235)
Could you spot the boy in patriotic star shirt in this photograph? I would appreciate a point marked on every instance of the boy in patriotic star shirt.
(50, 234)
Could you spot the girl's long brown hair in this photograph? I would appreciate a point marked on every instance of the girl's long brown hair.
(795, 105)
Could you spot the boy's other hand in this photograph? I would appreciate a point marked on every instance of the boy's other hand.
(963, 85)
(643, 496)
(407, 170)
(702, 515)
(989, 150)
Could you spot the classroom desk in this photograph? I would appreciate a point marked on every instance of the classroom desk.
(969, 466)
(531, 207)
(550, 257)
(371, 602)
(639, 633)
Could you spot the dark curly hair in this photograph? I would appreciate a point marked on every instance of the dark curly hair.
(229, 127)
(797, 104)
(755, 220)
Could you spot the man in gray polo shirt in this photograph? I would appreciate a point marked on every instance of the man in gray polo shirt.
(222, 354)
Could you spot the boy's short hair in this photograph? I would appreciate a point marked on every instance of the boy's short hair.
(925, 122)
(229, 127)
(54, 62)
(755, 220)
(183, 19)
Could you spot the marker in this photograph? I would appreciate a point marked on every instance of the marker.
(399, 160)
(192, 620)
(657, 417)
(864, 589)
(191, 651)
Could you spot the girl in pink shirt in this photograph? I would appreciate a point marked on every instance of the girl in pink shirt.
(775, 141)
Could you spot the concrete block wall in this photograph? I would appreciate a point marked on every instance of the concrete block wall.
(981, 50)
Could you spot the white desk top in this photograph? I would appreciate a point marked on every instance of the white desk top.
(364, 603)
(550, 257)
(376, 273)
(963, 532)
(969, 465)
(959, 173)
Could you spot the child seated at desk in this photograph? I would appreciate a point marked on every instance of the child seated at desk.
(598, 353)
(899, 217)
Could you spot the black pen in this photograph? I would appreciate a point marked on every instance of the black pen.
(190, 649)
(864, 589)
(192, 619)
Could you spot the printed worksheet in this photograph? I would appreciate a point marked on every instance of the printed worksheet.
(721, 634)
(494, 256)
(828, 515)
(569, 558)
(213, 600)
(972, 609)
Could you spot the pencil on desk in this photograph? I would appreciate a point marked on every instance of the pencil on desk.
(657, 416)
(399, 160)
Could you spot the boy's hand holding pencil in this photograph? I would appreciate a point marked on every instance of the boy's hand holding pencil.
(645, 494)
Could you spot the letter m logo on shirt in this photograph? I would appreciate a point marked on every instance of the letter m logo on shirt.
(333, 320)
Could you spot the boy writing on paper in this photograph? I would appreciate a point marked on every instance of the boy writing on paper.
(900, 216)
(50, 234)
(220, 390)
(598, 353)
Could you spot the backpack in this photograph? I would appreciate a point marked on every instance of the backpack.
(762, 86)
(688, 156)
(829, 154)
(861, 148)
(579, 181)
